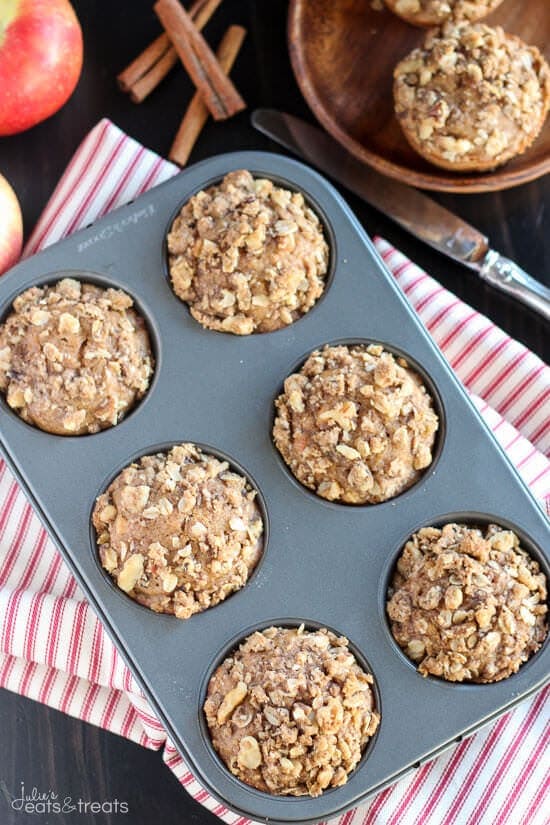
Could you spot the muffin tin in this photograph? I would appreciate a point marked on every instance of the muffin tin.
(324, 564)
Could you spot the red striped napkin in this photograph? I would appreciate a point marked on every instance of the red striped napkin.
(53, 648)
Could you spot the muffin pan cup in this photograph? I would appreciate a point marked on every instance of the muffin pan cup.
(324, 563)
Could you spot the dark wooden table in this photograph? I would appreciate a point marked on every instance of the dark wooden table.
(42, 747)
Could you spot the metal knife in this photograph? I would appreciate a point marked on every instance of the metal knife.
(414, 211)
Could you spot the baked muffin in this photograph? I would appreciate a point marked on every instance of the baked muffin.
(467, 603)
(435, 12)
(355, 424)
(291, 711)
(178, 531)
(74, 357)
(471, 97)
(247, 256)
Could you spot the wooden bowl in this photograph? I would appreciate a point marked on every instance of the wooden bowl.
(343, 53)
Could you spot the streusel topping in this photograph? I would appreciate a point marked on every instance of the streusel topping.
(355, 424)
(467, 604)
(472, 97)
(247, 256)
(291, 711)
(74, 357)
(179, 531)
(435, 12)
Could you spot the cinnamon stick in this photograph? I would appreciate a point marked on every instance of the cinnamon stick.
(143, 87)
(143, 62)
(197, 112)
(217, 90)
(144, 73)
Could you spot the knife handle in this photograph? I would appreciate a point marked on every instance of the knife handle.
(507, 276)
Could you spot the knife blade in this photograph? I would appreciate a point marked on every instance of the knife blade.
(412, 210)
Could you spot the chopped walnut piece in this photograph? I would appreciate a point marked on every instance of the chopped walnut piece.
(192, 558)
(249, 756)
(169, 582)
(38, 317)
(485, 100)
(110, 560)
(231, 700)
(291, 711)
(133, 497)
(63, 372)
(493, 632)
(68, 324)
(355, 425)
(130, 573)
(107, 514)
(72, 421)
(247, 256)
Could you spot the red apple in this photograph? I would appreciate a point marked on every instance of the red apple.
(40, 60)
(11, 226)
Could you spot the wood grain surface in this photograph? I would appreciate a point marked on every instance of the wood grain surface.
(343, 56)
(41, 746)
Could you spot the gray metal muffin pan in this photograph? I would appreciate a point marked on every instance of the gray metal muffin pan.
(324, 564)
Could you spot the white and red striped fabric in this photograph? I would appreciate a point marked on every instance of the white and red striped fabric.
(53, 648)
